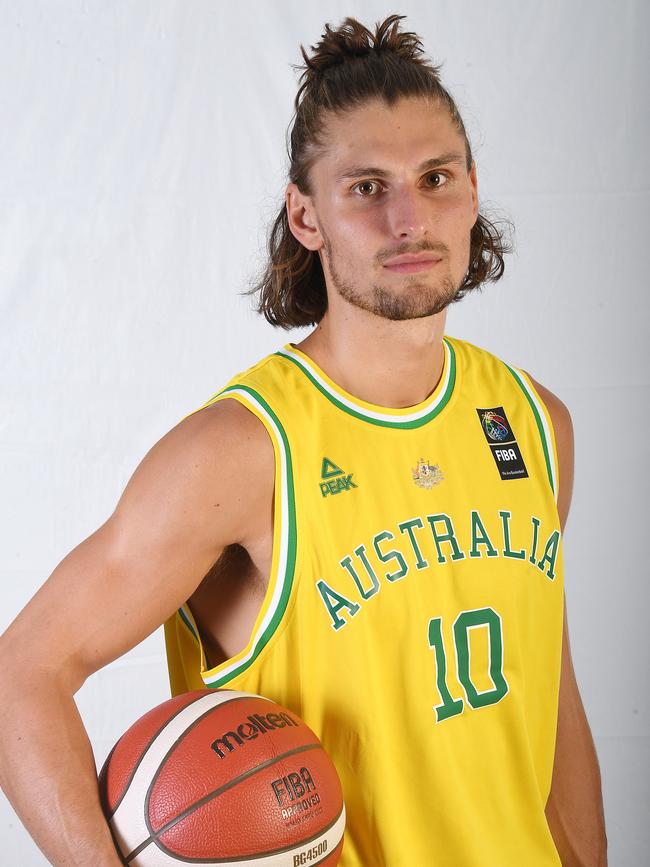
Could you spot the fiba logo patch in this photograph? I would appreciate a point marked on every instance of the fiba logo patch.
(495, 426)
(503, 444)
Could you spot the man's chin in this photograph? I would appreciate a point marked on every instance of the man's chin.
(412, 297)
(404, 315)
(398, 310)
(417, 302)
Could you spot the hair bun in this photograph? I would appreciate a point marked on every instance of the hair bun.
(353, 39)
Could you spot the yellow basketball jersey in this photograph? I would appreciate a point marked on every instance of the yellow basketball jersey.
(414, 612)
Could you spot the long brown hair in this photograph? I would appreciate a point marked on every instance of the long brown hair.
(349, 66)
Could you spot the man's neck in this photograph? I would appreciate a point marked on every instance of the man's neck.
(390, 364)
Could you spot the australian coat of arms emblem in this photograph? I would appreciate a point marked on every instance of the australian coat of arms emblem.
(427, 475)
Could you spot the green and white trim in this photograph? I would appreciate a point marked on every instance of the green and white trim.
(411, 417)
(543, 425)
(188, 620)
(284, 546)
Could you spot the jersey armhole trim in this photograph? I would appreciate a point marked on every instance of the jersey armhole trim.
(544, 425)
(283, 558)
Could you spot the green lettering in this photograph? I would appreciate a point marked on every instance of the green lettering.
(421, 563)
(480, 537)
(334, 602)
(533, 552)
(392, 576)
(507, 551)
(449, 536)
(346, 562)
(550, 554)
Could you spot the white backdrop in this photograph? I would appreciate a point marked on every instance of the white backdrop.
(142, 154)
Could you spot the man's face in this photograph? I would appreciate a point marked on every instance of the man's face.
(374, 199)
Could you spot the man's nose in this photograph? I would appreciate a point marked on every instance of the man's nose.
(408, 213)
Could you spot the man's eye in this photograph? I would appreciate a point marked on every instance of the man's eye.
(364, 184)
(437, 175)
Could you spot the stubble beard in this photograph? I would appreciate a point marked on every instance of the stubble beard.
(414, 301)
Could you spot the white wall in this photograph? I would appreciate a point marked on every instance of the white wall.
(142, 156)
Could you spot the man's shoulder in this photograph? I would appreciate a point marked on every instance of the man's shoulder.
(227, 430)
(558, 410)
(475, 352)
(472, 350)
(488, 362)
(228, 437)
(263, 381)
(214, 468)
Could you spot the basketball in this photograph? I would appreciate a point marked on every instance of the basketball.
(222, 777)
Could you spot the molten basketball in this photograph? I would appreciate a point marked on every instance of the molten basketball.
(222, 777)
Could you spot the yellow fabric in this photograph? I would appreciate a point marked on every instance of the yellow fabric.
(458, 590)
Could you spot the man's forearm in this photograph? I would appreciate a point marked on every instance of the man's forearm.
(48, 773)
(575, 806)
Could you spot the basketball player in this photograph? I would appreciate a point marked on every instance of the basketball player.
(365, 527)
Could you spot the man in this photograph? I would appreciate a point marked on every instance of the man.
(364, 527)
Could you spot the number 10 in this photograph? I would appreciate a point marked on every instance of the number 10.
(465, 621)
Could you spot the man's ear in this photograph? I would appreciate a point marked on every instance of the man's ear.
(474, 183)
(301, 217)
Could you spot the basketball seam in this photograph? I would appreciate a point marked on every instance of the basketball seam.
(154, 838)
(180, 737)
(144, 751)
(103, 781)
(320, 833)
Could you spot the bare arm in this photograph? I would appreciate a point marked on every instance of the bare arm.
(574, 810)
(185, 502)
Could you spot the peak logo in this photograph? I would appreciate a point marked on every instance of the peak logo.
(253, 726)
(334, 479)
